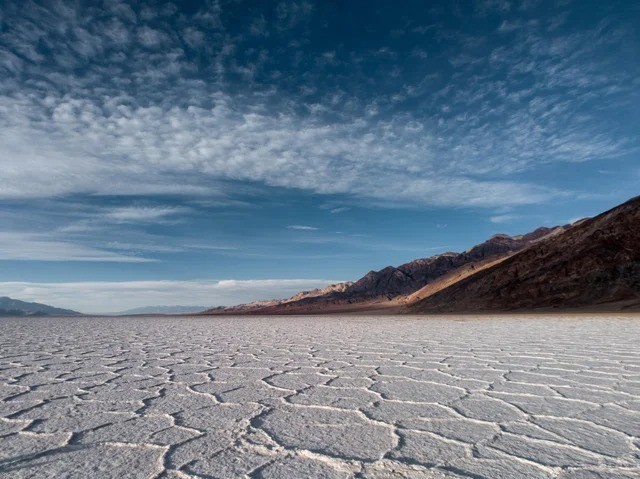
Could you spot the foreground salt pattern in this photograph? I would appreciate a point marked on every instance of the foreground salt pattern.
(330, 397)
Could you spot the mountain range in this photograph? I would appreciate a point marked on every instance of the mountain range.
(591, 264)
(15, 307)
(594, 264)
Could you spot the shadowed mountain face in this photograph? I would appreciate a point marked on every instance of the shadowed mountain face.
(407, 278)
(393, 282)
(591, 265)
(15, 307)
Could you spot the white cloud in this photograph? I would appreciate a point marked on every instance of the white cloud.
(505, 218)
(302, 227)
(33, 247)
(340, 209)
(105, 297)
(210, 247)
(137, 214)
(182, 150)
(146, 247)
(150, 37)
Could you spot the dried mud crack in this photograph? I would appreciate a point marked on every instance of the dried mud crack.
(330, 397)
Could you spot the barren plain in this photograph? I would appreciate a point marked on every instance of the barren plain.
(333, 397)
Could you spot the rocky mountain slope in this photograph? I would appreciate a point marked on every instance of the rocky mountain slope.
(15, 307)
(387, 287)
(594, 264)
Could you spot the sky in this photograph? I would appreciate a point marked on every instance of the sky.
(216, 152)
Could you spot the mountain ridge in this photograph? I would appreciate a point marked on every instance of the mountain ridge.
(595, 263)
(385, 288)
(16, 307)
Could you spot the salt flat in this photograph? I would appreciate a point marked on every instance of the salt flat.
(331, 397)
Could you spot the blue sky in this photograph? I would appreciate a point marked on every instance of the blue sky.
(159, 148)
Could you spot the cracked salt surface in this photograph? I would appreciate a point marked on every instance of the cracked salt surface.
(326, 397)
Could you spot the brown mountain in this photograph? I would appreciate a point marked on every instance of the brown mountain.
(385, 289)
(595, 264)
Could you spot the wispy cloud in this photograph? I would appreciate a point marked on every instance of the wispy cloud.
(137, 214)
(40, 247)
(211, 247)
(340, 209)
(105, 297)
(302, 227)
(505, 218)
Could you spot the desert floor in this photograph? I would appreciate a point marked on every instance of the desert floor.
(333, 397)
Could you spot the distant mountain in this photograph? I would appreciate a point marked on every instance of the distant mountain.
(593, 265)
(387, 288)
(15, 307)
(163, 310)
(267, 305)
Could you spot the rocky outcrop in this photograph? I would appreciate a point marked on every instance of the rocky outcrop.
(331, 289)
(595, 265)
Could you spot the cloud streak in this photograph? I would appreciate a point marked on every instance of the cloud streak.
(137, 214)
(19, 246)
(302, 228)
